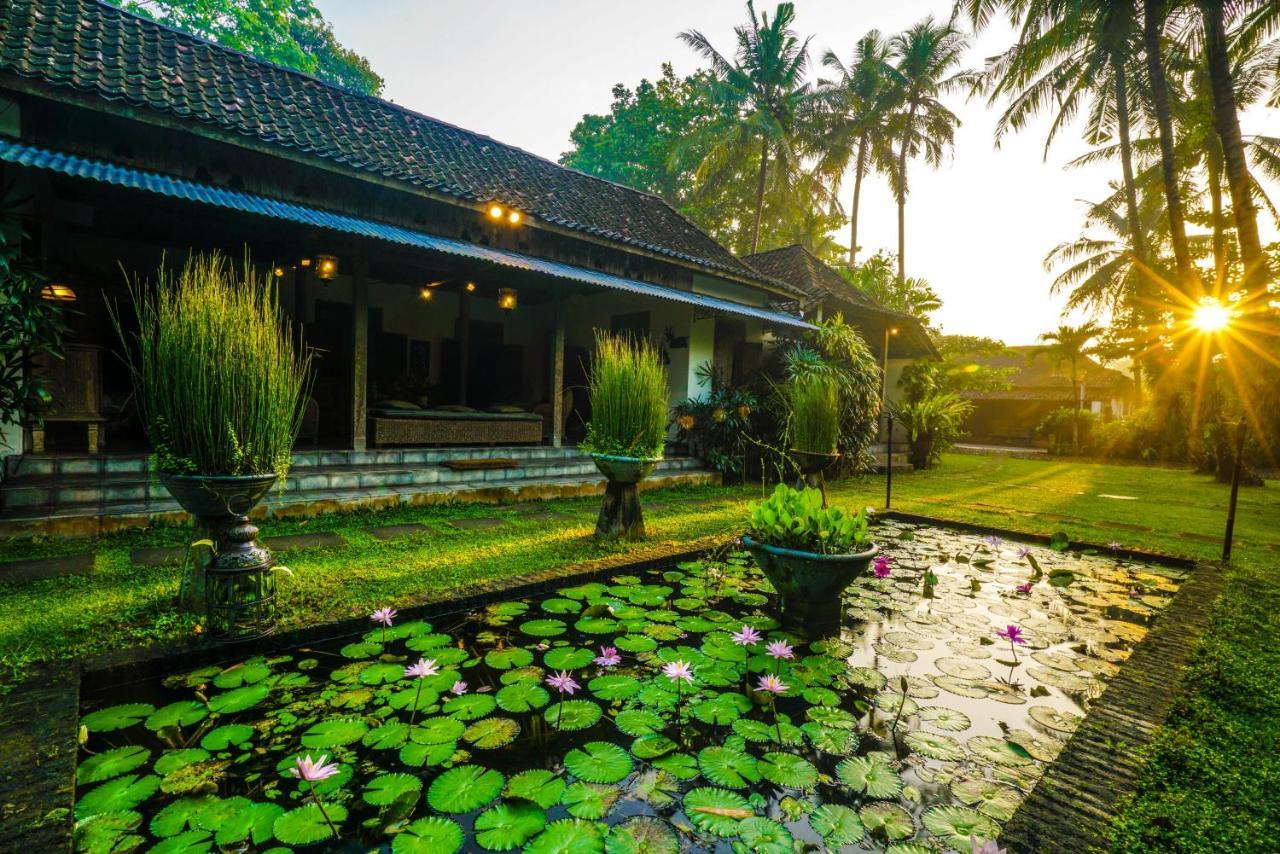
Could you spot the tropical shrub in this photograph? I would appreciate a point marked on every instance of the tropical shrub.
(933, 425)
(720, 426)
(1058, 429)
(628, 391)
(217, 376)
(795, 519)
(813, 402)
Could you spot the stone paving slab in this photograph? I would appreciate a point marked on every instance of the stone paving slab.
(399, 532)
(158, 556)
(298, 542)
(48, 567)
(478, 523)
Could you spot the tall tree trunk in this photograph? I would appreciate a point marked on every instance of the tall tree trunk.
(857, 193)
(902, 193)
(1213, 165)
(1152, 29)
(1227, 123)
(760, 180)
(1075, 404)
(1137, 240)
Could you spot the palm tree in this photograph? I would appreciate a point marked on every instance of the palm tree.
(860, 101)
(927, 65)
(764, 94)
(1070, 344)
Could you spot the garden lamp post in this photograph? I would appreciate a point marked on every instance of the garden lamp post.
(888, 436)
(884, 363)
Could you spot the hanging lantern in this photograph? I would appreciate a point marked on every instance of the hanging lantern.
(507, 299)
(58, 292)
(326, 267)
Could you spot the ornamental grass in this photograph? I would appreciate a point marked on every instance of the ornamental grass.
(814, 405)
(217, 375)
(628, 391)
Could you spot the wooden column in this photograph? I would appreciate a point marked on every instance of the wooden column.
(557, 378)
(464, 344)
(360, 354)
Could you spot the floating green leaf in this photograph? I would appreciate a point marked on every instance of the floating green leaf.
(989, 797)
(122, 793)
(572, 715)
(388, 736)
(306, 824)
(540, 786)
(598, 762)
(179, 714)
(111, 763)
(463, 789)
(239, 699)
(567, 836)
(438, 730)
(614, 687)
(956, 824)
(890, 820)
(934, 746)
(434, 835)
(588, 800)
(508, 826)
(838, 825)
(765, 836)
(788, 770)
(220, 738)
(717, 811)
(470, 707)
(523, 696)
(492, 733)
(642, 834)
(637, 722)
(334, 732)
(653, 745)
(172, 760)
(998, 751)
(108, 832)
(949, 720)
(872, 775)
(728, 768)
(509, 657)
(242, 674)
(252, 823)
(568, 658)
(386, 788)
(116, 717)
(543, 628)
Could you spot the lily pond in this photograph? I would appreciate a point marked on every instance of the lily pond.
(958, 677)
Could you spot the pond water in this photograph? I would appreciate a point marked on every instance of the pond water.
(914, 730)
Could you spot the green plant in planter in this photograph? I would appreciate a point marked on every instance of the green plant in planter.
(628, 391)
(217, 376)
(795, 519)
(814, 405)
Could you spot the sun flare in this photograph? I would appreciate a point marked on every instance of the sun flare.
(1211, 316)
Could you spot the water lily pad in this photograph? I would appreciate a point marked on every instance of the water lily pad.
(111, 763)
(1042, 747)
(108, 832)
(382, 672)
(179, 714)
(334, 732)
(568, 658)
(220, 738)
(523, 696)
(934, 745)
(948, 720)
(587, 800)
(508, 657)
(191, 842)
(998, 751)
(722, 709)
(567, 836)
(961, 669)
(386, 788)
(598, 762)
(572, 715)
(989, 797)
(122, 793)
(437, 730)
(245, 673)
(728, 768)
(838, 825)
(508, 826)
(470, 707)
(492, 733)
(717, 811)
(954, 825)
(865, 677)
(765, 836)
(960, 687)
(388, 736)
(788, 770)
(561, 606)
(638, 722)
(239, 699)
(635, 643)
(1050, 717)
(642, 834)
(465, 788)
(652, 745)
(427, 755)
(116, 717)
(888, 820)
(543, 628)
(434, 835)
(361, 649)
(306, 824)
(540, 786)
(172, 760)
(253, 823)
(872, 775)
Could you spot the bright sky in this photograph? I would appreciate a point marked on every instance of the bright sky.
(524, 73)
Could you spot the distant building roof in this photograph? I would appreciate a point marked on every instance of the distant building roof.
(797, 266)
(133, 63)
(1039, 378)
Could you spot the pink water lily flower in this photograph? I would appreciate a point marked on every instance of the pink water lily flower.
(313, 770)
(423, 668)
(563, 682)
(1024, 587)
(384, 615)
(771, 684)
(881, 566)
(458, 688)
(988, 846)
(747, 636)
(779, 649)
(1011, 633)
(678, 670)
(608, 657)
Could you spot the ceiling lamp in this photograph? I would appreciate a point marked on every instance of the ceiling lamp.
(426, 293)
(326, 266)
(58, 292)
(496, 211)
(277, 272)
(507, 299)
(514, 217)
(471, 287)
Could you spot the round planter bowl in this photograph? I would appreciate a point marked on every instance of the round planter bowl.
(625, 470)
(809, 585)
(218, 496)
(812, 463)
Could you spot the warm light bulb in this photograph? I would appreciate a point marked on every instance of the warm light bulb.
(471, 287)
(1211, 316)
(495, 211)
(427, 294)
(893, 331)
(278, 272)
(514, 217)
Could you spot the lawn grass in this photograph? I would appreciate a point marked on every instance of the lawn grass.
(1214, 778)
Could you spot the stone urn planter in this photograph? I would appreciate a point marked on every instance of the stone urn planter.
(812, 469)
(620, 515)
(237, 588)
(809, 585)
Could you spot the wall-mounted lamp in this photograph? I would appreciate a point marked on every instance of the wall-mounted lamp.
(507, 299)
(58, 292)
(498, 213)
(278, 272)
(514, 217)
(426, 293)
(306, 262)
(471, 287)
(326, 266)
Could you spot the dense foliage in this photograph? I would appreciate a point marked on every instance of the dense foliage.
(291, 33)
(795, 519)
(933, 424)
(721, 425)
(813, 403)
(216, 372)
(628, 391)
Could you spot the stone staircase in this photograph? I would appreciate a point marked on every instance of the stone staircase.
(72, 494)
(900, 464)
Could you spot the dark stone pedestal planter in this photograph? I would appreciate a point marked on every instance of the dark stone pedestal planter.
(809, 585)
(811, 467)
(620, 515)
(238, 587)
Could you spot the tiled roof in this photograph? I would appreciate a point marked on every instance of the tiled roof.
(131, 62)
(1037, 377)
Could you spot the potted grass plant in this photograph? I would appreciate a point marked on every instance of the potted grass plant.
(813, 405)
(810, 553)
(628, 391)
(218, 382)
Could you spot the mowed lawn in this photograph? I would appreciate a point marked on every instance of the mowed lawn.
(1214, 778)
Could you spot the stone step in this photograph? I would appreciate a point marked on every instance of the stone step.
(30, 492)
(107, 517)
